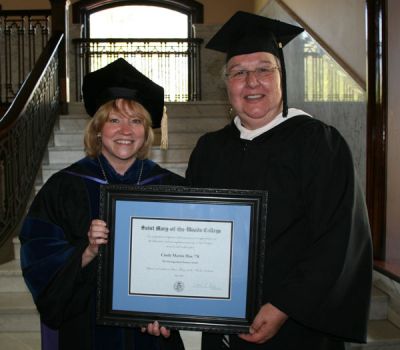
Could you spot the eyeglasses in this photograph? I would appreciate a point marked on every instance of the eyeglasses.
(260, 73)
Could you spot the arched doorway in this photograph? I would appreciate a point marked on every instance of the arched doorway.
(154, 36)
(82, 9)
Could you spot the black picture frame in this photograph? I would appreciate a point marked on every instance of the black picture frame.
(190, 258)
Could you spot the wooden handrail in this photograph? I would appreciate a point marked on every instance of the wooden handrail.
(44, 12)
(26, 91)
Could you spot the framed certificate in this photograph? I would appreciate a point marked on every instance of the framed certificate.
(189, 258)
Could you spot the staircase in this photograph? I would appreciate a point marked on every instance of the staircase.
(19, 322)
(186, 122)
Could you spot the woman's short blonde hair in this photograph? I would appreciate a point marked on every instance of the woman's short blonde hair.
(129, 108)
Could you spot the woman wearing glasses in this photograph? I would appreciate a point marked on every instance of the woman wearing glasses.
(318, 263)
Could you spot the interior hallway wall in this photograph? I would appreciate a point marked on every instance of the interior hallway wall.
(343, 28)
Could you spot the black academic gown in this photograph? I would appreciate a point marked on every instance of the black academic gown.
(53, 238)
(318, 266)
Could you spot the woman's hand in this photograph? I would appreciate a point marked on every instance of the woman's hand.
(265, 325)
(155, 329)
(97, 234)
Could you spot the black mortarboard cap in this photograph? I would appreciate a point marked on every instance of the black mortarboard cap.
(246, 33)
(120, 79)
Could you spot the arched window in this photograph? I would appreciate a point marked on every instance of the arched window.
(82, 9)
(155, 36)
(138, 21)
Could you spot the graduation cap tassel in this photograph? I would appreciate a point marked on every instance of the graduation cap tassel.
(164, 130)
(283, 82)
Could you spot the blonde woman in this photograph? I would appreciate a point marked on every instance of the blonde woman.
(61, 234)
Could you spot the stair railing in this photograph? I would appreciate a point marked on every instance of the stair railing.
(25, 130)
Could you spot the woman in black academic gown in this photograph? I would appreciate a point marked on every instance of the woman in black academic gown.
(61, 234)
(318, 269)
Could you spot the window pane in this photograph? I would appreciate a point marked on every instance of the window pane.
(165, 62)
(319, 86)
(138, 22)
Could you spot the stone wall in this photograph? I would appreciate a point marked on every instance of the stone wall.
(212, 84)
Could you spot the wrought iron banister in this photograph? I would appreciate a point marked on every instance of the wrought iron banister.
(25, 130)
(23, 35)
(172, 63)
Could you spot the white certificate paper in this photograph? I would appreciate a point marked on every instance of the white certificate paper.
(180, 258)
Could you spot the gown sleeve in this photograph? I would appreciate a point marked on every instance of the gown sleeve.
(196, 173)
(329, 288)
(53, 238)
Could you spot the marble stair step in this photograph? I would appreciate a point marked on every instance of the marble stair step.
(17, 256)
(192, 340)
(11, 280)
(379, 305)
(382, 335)
(72, 123)
(178, 109)
(75, 138)
(191, 123)
(190, 116)
(198, 108)
(174, 154)
(18, 313)
(20, 341)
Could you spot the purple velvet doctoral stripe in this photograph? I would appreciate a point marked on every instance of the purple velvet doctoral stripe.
(49, 337)
(151, 179)
(101, 181)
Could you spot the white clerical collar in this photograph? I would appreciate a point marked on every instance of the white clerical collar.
(247, 134)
